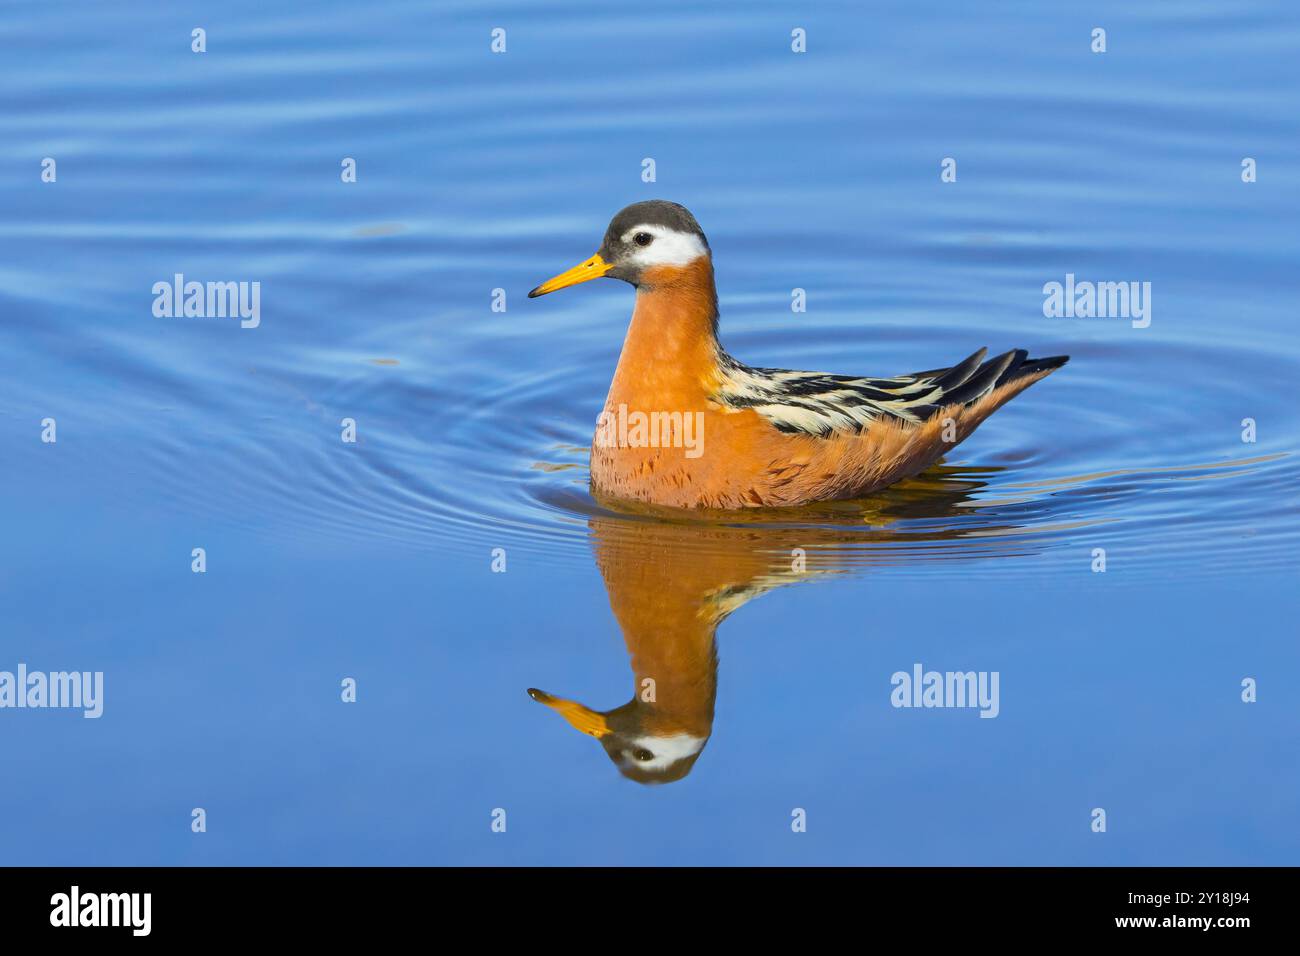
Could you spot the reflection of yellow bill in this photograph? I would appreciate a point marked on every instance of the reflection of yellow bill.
(582, 718)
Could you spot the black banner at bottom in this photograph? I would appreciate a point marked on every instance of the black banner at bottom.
(88, 905)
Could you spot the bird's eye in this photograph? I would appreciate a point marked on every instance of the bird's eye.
(643, 238)
(643, 755)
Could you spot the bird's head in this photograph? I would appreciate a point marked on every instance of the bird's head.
(641, 750)
(646, 243)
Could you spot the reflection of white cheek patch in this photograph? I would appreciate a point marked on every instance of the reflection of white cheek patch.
(670, 247)
(667, 750)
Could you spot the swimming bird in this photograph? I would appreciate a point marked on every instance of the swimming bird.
(686, 425)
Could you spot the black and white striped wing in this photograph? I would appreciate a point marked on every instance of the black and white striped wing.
(819, 404)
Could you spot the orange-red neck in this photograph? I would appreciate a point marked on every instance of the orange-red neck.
(670, 353)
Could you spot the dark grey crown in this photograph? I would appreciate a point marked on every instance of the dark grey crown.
(656, 212)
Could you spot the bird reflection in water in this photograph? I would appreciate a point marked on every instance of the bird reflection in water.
(672, 579)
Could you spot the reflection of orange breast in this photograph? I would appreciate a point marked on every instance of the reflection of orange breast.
(659, 599)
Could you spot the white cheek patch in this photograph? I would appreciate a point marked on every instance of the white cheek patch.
(670, 247)
(667, 750)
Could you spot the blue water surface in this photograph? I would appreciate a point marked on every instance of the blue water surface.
(1172, 449)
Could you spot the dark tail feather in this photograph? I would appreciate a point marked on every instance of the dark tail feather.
(1031, 366)
(989, 374)
(969, 383)
(957, 375)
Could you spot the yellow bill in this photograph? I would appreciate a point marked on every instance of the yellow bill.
(582, 718)
(593, 268)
